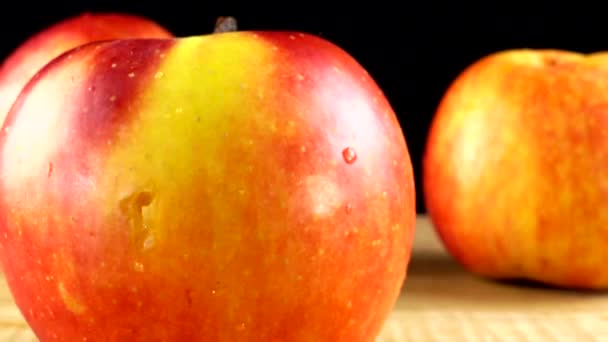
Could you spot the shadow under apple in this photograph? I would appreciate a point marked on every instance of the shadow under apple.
(436, 281)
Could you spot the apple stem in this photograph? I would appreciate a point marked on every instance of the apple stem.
(225, 24)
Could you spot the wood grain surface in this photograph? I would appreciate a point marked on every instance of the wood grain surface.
(442, 302)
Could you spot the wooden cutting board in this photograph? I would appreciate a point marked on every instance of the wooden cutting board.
(442, 302)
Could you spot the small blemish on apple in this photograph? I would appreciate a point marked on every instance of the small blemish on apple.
(112, 98)
(324, 195)
(138, 266)
(292, 37)
(132, 206)
(302, 148)
(159, 75)
(300, 77)
(148, 242)
(71, 303)
(349, 208)
(131, 75)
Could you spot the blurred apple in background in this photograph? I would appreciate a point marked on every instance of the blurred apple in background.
(516, 167)
(240, 186)
(35, 52)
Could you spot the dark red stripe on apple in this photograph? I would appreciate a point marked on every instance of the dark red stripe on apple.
(121, 71)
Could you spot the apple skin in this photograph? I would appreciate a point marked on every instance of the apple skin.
(514, 171)
(35, 52)
(205, 189)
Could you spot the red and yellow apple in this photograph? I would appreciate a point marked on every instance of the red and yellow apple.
(239, 186)
(67, 34)
(516, 164)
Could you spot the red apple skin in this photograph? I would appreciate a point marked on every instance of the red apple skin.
(69, 33)
(514, 172)
(243, 186)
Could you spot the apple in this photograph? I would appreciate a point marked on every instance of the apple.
(514, 170)
(236, 186)
(39, 49)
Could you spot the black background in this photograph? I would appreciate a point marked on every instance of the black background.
(412, 49)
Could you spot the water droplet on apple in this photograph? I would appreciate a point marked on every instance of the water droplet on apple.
(138, 266)
(349, 208)
(349, 154)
